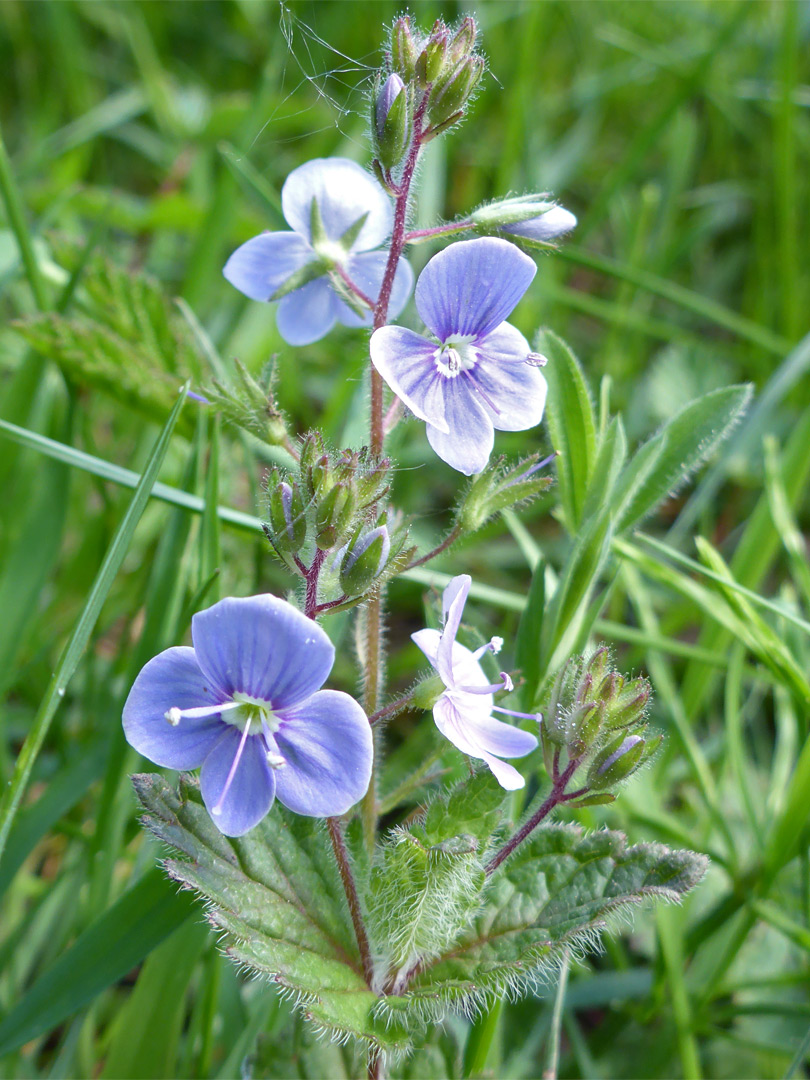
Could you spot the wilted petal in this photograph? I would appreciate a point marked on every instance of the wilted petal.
(172, 679)
(327, 746)
(263, 647)
(407, 363)
(251, 791)
(512, 391)
(261, 266)
(366, 271)
(472, 286)
(468, 442)
(307, 314)
(344, 191)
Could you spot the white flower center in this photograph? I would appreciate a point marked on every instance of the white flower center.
(253, 713)
(330, 252)
(456, 355)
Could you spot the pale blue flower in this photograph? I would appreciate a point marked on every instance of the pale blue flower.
(339, 214)
(549, 225)
(245, 704)
(478, 372)
(463, 713)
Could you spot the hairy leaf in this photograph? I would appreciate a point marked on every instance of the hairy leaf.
(277, 898)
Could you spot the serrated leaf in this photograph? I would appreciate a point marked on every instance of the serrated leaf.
(571, 424)
(276, 896)
(472, 808)
(557, 889)
(667, 460)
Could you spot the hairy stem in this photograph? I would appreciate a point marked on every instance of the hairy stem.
(439, 230)
(353, 288)
(349, 887)
(389, 710)
(311, 601)
(556, 797)
(451, 538)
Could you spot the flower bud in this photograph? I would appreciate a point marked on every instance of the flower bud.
(364, 561)
(463, 41)
(452, 93)
(548, 226)
(431, 60)
(333, 517)
(403, 48)
(495, 489)
(391, 121)
(427, 692)
(533, 217)
(287, 529)
(627, 704)
(616, 761)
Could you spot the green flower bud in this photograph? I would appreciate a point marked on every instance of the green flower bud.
(494, 490)
(372, 485)
(403, 49)
(320, 475)
(427, 692)
(463, 41)
(364, 561)
(334, 514)
(391, 122)
(616, 761)
(452, 94)
(627, 705)
(430, 62)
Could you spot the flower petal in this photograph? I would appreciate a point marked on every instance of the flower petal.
(263, 264)
(548, 226)
(344, 191)
(407, 363)
(496, 737)
(172, 679)
(263, 647)
(328, 748)
(454, 598)
(307, 314)
(428, 641)
(366, 271)
(251, 791)
(468, 442)
(506, 775)
(512, 391)
(472, 286)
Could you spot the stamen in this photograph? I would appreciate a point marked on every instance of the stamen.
(536, 359)
(496, 644)
(520, 715)
(275, 761)
(218, 808)
(174, 715)
(490, 688)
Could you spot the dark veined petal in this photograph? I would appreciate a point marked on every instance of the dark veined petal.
(308, 314)
(472, 286)
(512, 391)
(366, 271)
(261, 266)
(172, 679)
(407, 363)
(344, 192)
(251, 790)
(468, 442)
(327, 746)
(263, 647)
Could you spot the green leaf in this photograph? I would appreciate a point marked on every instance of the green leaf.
(70, 658)
(108, 949)
(610, 458)
(667, 460)
(276, 896)
(527, 643)
(571, 424)
(557, 889)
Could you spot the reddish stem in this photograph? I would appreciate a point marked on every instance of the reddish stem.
(311, 600)
(358, 292)
(349, 887)
(438, 230)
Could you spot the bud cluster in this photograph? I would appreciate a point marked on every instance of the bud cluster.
(426, 84)
(597, 718)
(332, 506)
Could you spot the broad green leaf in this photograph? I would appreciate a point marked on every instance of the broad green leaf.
(666, 461)
(276, 896)
(571, 424)
(110, 947)
(557, 889)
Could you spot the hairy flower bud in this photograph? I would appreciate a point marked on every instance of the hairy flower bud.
(334, 514)
(431, 60)
(533, 217)
(391, 122)
(404, 50)
(364, 561)
(452, 93)
(616, 761)
(463, 41)
(496, 489)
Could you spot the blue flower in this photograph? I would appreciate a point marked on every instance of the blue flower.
(245, 704)
(479, 372)
(547, 226)
(338, 214)
(463, 713)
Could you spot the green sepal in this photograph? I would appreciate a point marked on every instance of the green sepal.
(300, 277)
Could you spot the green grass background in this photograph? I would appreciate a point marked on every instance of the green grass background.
(158, 135)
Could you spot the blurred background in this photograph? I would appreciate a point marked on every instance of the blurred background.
(146, 141)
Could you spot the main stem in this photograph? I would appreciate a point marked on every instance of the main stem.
(349, 887)
(374, 610)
